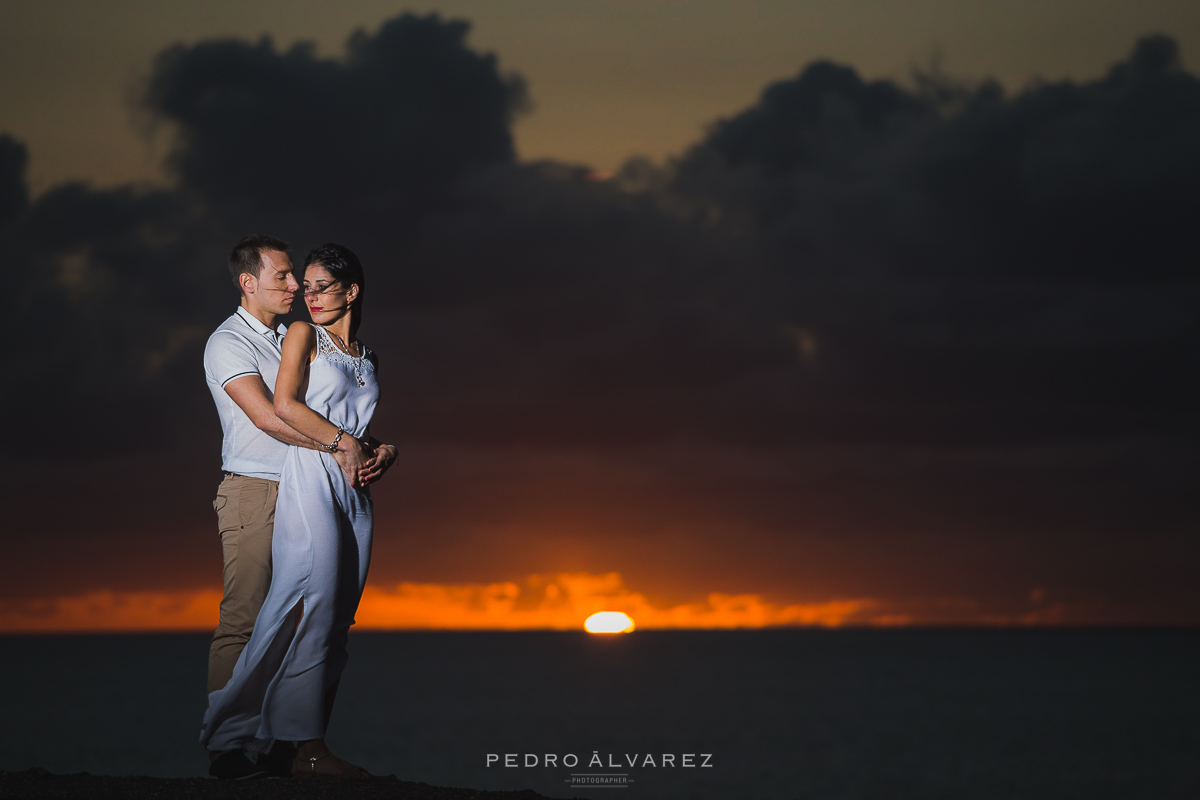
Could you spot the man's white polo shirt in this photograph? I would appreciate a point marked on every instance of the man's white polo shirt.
(244, 346)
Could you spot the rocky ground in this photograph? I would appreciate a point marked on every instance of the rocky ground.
(38, 783)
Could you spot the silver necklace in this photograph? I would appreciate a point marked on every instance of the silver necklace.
(358, 359)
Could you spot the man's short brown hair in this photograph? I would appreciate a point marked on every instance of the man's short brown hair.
(246, 257)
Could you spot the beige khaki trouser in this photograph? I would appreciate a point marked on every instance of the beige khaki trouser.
(246, 519)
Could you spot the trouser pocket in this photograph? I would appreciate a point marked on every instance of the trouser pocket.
(256, 502)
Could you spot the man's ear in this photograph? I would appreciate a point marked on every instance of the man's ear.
(248, 283)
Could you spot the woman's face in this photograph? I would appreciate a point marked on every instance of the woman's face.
(327, 298)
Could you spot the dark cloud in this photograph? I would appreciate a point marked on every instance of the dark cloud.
(1076, 181)
(1022, 264)
(14, 193)
(859, 270)
(117, 286)
(356, 144)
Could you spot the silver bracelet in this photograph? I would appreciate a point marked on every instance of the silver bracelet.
(333, 447)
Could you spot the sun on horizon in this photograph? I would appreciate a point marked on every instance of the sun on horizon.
(608, 622)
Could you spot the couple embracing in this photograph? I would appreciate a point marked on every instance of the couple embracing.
(294, 508)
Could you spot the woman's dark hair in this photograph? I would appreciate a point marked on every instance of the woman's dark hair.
(344, 266)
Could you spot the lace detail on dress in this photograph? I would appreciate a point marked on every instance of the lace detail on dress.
(328, 350)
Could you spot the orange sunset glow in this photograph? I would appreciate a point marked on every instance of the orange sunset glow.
(546, 602)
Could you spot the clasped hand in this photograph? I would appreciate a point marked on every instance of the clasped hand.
(365, 463)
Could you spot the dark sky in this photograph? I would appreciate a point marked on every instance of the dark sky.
(924, 345)
(610, 78)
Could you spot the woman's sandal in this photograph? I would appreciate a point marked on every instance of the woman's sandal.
(353, 773)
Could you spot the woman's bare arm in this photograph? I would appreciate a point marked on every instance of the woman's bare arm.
(299, 346)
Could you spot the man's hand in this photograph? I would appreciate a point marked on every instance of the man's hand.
(352, 460)
(379, 463)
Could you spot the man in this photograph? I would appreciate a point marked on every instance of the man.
(241, 360)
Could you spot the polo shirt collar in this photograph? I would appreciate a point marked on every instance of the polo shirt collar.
(257, 325)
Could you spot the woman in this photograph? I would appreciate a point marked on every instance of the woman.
(286, 678)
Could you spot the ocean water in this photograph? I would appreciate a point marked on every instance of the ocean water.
(1026, 714)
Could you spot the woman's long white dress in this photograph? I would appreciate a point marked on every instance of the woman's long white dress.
(320, 552)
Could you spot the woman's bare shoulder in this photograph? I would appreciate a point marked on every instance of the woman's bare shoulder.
(300, 330)
(302, 337)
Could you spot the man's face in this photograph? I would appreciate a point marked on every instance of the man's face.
(275, 288)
